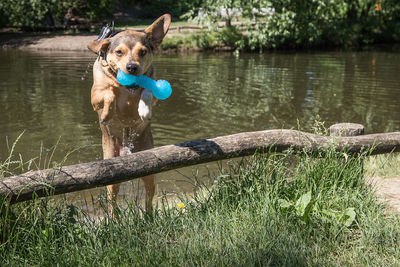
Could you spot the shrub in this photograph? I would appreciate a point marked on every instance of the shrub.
(33, 13)
(271, 24)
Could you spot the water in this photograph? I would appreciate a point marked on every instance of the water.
(42, 94)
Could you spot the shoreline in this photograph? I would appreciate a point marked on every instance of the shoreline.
(68, 42)
(60, 41)
(46, 41)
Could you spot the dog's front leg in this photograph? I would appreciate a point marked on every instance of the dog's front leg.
(145, 104)
(104, 101)
(109, 107)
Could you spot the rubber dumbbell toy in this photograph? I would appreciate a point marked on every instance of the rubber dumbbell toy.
(161, 89)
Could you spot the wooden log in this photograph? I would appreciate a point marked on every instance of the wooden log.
(345, 130)
(110, 171)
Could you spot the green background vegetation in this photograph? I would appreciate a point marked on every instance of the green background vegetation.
(35, 13)
(32, 13)
(263, 24)
(292, 24)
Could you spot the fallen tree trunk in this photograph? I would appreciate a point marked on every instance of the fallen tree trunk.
(110, 171)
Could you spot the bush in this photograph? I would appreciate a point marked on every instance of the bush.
(318, 23)
(34, 13)
(176, 8)
(177, 42)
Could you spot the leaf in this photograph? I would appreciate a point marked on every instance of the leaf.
(330, 214)
(349, 216)
(303, 204)
(284, 204)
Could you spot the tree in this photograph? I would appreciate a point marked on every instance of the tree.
(297, 23)
(32, 13)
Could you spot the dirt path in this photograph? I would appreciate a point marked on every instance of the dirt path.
(388, 190)
(46, 41)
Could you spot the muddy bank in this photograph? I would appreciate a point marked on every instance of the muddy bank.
(69, 42)
(46, 41)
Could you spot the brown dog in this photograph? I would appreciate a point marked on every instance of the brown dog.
(125, 113)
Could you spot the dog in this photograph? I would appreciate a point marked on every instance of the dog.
(125, 112)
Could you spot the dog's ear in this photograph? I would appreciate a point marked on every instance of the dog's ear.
(98, 45)
(158, 29)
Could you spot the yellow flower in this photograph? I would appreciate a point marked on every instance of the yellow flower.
(181, 205)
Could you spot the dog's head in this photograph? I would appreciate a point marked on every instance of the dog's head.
(132, 51)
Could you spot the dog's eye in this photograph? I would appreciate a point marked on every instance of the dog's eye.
(119, 53)
(142, 53)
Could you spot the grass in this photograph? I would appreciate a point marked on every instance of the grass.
(224, 39)
(179, 42)
(384, 166)
(260, 211)
(202, 40)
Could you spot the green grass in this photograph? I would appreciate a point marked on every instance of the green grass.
(261, 211)
(180, 42)
(384, 166)
(202, 40)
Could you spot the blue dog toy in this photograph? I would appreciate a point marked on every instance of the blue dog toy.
(161, 89)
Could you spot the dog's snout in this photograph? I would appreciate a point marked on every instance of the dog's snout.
(132, 68)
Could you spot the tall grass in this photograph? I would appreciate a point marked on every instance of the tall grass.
(383, 166)
(260, 211)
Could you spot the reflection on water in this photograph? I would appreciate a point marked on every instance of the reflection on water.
(42, 93)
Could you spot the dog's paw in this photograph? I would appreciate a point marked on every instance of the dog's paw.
(106, 115)
(108, 107)
(144, 108)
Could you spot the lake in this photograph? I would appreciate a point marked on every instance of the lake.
(46, 96)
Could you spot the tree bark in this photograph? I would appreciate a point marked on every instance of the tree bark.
(111, 171)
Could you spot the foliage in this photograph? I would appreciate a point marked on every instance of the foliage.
(94, 10)
(271, 24)
(28, 13)
(212, 11)
(178, 42)
(229, 36)
(35, 12)
(206, 40)
(155, 8)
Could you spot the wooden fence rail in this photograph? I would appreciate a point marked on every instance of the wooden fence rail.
(110, 171)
